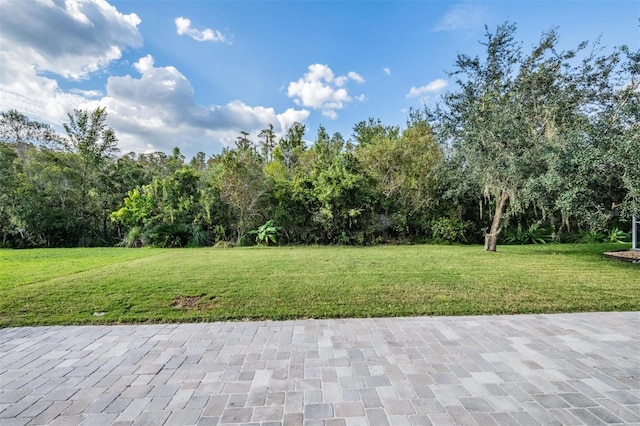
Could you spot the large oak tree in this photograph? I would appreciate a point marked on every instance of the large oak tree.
(515, 114)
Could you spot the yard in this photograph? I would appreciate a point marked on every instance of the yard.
(118, 285)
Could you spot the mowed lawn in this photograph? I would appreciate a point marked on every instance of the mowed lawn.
(118, 285)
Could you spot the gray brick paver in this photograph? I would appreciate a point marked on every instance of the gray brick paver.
(103, 419)
(101, 403)
(484, 419)
(208, 421)
(526, 369)
(293, 402)
(318, 411)
(551, 401)
(184, 417)
(524, 418)
(133, 410)
(268, 413)
(459, 415)
(605, 415)
(12, 396)
(17, 421)
(152, 418)
(14, 410)
(236, 415)
(36, 409)
(237, 400)
(52, 412)
(586, 417)
(275, 398)
(370, 398)
(577, 400)
(504, 419)
(216, 405)
(349, 409)
(377, 416)
(474, 404)
(118, 405)
(623, 397)
(197, 402)
(158, 403)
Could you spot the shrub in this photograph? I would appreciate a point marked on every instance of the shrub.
(450, 230)
(532, 235)
(267, 232)
(168, 235)
(133, 238)
(617, 236)
(588, 237)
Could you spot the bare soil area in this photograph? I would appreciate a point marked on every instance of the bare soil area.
(626, 255)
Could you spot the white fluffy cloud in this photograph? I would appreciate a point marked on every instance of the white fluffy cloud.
(157, 111)
(387, 70)
(153, 110)
(432, 87)
(355, 77)
(461, 17)
(183, 27)
(40, 98)
(320, 89)
(71, 38)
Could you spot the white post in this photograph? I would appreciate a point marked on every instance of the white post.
(634, 233)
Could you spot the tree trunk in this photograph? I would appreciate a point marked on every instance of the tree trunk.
(491, 239)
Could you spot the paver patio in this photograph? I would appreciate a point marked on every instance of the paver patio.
(506, 370)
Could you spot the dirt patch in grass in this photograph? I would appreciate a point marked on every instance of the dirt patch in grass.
(185, 301)
(626, 255)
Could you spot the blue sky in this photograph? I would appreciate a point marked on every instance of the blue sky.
(193, 74)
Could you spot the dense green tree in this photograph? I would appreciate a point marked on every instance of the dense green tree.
(50, 201)
(10, 176)
(346, 201)
(164, 213)
(38, 198)
(512, 112)
(601, 168)
(199, 162)
(21, 132)
(291, 146)
(403, 168)
(267, 142)
(241, 181)
(365, 132)
(95, 147)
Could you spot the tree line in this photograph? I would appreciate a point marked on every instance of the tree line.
(530, 147)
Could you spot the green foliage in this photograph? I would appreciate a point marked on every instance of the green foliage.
(542, 136)
(164, 213)
(450, 230)
(344, 212)
(590, 237)
(534, 234)
(240, 179)
(138, 207)
(18, 130)
(168, 235)
(402, 167)
(541, 129)
(266, 233)
(617, 236)
(133, 238)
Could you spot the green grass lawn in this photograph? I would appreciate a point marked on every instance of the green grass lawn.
(118, 285)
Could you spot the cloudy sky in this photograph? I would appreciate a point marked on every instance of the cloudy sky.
(193, 74)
